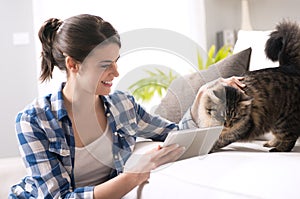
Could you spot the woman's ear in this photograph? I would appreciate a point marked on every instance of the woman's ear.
(71, 64)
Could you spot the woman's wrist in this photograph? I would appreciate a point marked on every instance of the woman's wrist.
(136, 178)
(120, 185)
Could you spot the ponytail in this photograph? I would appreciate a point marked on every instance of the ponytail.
(47, 35)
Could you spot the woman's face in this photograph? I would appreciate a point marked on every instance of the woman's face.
(99, 69)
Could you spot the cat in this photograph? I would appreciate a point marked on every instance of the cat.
(270, 102)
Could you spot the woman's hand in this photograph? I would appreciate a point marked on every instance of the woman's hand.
(234, 82)
(145, 163)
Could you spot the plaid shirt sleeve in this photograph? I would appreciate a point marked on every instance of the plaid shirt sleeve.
(132, 118)
(158, 126)
(47, 159)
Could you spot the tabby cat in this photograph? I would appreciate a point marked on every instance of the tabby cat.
(270, 102)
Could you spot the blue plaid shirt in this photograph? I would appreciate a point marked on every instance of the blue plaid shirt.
(47, 145)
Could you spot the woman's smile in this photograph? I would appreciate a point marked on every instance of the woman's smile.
(107, 83)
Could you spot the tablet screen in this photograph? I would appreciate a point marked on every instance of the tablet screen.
(197, 141)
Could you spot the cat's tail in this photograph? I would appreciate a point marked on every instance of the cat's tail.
(284, 44)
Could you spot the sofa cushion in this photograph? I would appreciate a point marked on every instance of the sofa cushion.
(182, 91)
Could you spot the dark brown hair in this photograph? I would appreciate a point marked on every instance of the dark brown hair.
(76, 37)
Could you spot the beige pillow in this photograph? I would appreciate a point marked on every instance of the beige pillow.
(182, 91)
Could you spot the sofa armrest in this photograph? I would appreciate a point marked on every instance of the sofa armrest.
(12, 170)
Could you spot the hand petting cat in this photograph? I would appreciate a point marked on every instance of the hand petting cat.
(233, 81)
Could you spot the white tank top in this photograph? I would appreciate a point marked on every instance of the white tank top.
(94, 162)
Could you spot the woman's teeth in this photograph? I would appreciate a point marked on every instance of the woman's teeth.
(107, 82)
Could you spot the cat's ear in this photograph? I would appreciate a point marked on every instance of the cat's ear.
(217, 95)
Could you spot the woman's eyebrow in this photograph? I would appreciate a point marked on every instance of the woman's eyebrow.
(109, 61)
(106, 61)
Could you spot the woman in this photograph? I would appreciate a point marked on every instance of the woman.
(77, 142)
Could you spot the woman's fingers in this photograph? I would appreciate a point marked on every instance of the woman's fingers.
(140, 163)
(168, 154)
(234, 82)
(237, 81)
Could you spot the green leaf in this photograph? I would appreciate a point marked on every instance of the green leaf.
(210, 56)
(200, 61)
(222, 53)
(156, 83)
(211, 51)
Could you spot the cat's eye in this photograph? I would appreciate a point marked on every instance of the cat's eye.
(210, 111)
(235, 119)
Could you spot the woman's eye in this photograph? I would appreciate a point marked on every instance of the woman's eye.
(105, 66)
(108, 63)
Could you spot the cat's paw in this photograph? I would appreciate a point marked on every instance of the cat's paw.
(271, 143)
(280, 150)
(211, 151)
(274, 150)
(267, 144)
(214, 149)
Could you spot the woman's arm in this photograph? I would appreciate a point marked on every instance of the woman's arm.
(47, 159)
(120, 185)
(136, 171)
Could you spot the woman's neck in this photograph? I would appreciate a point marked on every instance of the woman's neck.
(86, 112)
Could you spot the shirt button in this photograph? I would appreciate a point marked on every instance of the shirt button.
(116, 133)
(116, 157)
(107, 114)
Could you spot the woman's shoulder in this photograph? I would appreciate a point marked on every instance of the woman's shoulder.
(37, 106)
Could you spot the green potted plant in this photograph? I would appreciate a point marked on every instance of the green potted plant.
(158, 81)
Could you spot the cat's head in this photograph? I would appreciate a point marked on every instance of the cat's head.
(223, 105)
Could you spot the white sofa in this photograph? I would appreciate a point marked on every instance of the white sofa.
(239, 171)
(12, 170)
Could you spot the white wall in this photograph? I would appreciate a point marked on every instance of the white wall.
(264, 15)
(183, 17)
(18, 84)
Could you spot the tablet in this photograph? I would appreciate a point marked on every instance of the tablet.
(197, 141)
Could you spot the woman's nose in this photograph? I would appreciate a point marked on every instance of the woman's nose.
(114, 69)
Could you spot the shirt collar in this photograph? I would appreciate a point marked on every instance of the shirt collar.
(57, 103)
(58, 106)
(106, 100)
